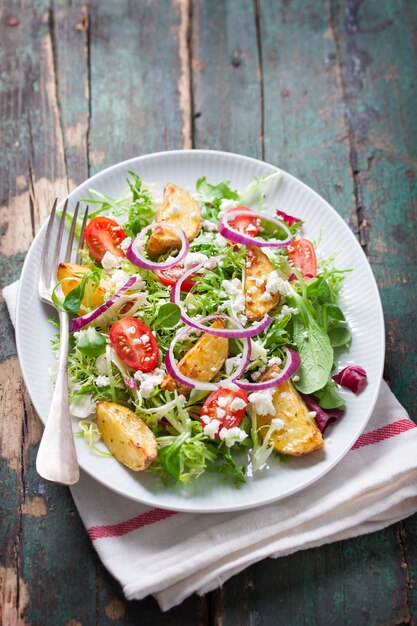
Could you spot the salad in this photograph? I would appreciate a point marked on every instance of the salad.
(204, 331)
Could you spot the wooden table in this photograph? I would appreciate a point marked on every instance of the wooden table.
(325, 90)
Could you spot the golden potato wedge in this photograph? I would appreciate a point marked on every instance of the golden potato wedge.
(70, 270)
(178, 208)
(300, 434)
(203, 361)
(257, 300)
(127, 436)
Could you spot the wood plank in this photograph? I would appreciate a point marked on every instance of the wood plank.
(43, 543)
(227, 102)
(308, 132)
(140, 98)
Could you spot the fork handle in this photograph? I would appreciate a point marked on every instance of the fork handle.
(57, 458)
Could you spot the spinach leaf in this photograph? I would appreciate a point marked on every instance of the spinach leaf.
(314, 347)
(92, 343)
(169, 315)
(329, 398)
(340, 336)
(74, 298)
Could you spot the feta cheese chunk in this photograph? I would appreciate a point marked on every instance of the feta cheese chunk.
(109, 261)
(232, 435)
(237, 404)
(148, 381)
(212, 428)
(102, 381)
(262, 402)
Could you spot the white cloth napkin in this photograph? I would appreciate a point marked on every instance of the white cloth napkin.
(171, 555)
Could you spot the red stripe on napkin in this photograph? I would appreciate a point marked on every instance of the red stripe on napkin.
(390, 430)
(117, 530)
(157, 515)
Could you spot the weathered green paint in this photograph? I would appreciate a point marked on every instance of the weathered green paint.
(226, 87)
(136, 77)
(322, 90)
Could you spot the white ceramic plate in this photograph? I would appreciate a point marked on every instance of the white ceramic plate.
(360, 301)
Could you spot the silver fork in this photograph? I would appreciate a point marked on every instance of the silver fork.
(57, 458)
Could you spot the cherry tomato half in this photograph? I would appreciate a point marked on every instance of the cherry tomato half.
(172, 274)
(104, 235)
(134, 344)
(301, 254)
(244, 224)
(219, 406)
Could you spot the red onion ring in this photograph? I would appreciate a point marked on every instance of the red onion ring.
(133, 252)
(175, 372)
(230, 233)
(84, 320)
(242, 333)
(291, 366)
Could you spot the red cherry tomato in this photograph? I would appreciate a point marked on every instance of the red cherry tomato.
(104, 235)
(134, 344)
(301, 254)
(219, 406)
(172, 274)
(244, 224)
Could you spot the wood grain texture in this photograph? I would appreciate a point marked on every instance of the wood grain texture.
(322, 89)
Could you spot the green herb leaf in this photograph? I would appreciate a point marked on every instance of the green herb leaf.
(169, 315)
(335, 312)
(329, 398)
(323, 292)
(315, 351)
(92, 343)
(221, 191)
(339, 336)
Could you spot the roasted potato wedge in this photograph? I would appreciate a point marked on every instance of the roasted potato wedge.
(257, 300)
(69, 270)
(300, 434)
(127, 436)
(178, 208)
(203, 361)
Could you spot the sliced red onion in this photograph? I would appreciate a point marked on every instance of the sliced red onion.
(322, 417)
(84, 320)
(239, 333)
(288, 219)
(174, 371)
(133, 253)
(291, 366)
(352, 377)
(227, 231)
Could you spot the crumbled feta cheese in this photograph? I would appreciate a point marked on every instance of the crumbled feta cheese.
(232, 435)
(237, 300)
(109, 261)
(265, 297)
(131, 330)
(260, 281)
(227, 384)
(144, 339)
(305, 335)
(274, 361)
(102, 381)
(296, 378)
(275, 284)
(312, 413)
(214, 368)
(225, 205)
(194, 258)
(237, 404)
(82, 406)
(209, 226)
(220, 241)
(222, 401)
(286, 310)
(212, 428)
(232, 363)
(118, 279)
(174, 209)
(220, 413)
(262, 402)
(148, 381)
(126, 243)
(278, 423)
